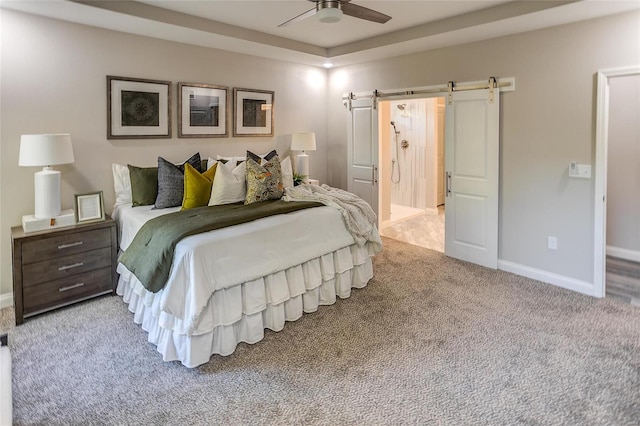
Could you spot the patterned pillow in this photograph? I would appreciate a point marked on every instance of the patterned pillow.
(264, 182)
(171, 181)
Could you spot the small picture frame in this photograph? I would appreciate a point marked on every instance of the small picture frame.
(202, 111)
(89, 207)
(138, 108)
(253, 112)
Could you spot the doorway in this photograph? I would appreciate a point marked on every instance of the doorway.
(623, 191)
(616, 243)
(412, 171)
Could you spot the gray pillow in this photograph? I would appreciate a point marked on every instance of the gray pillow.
(171, 181)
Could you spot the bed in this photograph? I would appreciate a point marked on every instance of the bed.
(227, 285)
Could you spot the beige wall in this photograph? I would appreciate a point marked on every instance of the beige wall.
(547, 122)
(54, 80)
(623, 171)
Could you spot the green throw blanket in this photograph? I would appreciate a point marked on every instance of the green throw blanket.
(150, 254)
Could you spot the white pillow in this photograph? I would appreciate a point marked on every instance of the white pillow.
(287, 172)
(231, 162)
(210, 162)
(229, 186)
(122, 184)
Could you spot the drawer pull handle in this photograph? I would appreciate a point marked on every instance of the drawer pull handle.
(70, 287)
(64, 246)
(75, 265)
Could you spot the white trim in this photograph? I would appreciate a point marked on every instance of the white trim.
(6, 300)
(622, 253)
(548, 277)
(600, 211)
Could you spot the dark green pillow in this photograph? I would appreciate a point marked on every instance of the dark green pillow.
(144, 185)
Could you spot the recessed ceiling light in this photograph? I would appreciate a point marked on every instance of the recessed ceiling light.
(327, 64)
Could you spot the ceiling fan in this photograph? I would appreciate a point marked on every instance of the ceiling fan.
(330, 11)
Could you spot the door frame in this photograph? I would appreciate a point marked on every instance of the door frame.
(602, 142)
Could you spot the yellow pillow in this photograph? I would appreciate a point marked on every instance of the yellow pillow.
(197, 186)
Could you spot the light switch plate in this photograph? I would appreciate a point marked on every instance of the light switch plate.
(582, 171)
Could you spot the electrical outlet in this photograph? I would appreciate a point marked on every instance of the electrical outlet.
(552, 243)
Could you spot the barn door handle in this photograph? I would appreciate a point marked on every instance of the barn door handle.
(373, 175)
(448, 183)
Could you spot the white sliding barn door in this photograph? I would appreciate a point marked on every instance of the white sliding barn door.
(362, 152)
(471, 163)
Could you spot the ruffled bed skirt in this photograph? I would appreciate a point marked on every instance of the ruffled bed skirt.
(241, 313)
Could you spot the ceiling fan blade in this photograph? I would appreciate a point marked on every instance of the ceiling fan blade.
(309, 13)
(364, 13)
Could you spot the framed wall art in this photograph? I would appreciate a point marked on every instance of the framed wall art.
(138, 108)
(202, 110)
(89, 207)
(253, 112)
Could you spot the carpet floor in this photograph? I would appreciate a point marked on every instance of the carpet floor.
(430, 340)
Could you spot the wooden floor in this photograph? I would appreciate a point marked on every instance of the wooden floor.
(623, 280)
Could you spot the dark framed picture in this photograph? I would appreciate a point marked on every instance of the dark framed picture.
(138, 108)
(202, 110)
(252, 112)
(89, 207)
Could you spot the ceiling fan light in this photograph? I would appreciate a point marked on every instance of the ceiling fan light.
(329, 15)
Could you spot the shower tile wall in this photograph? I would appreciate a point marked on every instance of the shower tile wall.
(412, 125)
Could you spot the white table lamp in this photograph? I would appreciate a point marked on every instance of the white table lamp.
(46, 150)
(303, 142)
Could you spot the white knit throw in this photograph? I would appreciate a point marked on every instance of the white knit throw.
(359, 217)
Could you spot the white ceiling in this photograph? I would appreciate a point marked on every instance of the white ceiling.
(252, 26)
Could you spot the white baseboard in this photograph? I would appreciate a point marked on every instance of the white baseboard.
(6, 300)
(573, 284)
(622, 253)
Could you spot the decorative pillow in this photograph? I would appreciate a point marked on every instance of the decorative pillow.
(287, 172)
(144, 185)
(171, 181)
(230, 162)
(197, 186)
(121, 184)
(229, 186)
(203, 165)
(210, 163)
(264, 181)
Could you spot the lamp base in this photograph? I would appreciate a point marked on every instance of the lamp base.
(30, 223)
(47, 189)
(303, 166)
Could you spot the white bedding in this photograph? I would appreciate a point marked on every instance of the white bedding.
(227, 285)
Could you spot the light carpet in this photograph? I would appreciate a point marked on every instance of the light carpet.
(430, 340)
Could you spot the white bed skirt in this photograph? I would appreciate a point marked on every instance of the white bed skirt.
(242, 312)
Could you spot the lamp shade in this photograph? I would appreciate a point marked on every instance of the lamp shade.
(303, 142)
(45, 150)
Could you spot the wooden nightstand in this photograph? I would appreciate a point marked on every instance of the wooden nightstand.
(58, 267)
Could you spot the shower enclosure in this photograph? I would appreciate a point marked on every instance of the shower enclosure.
(410, 150)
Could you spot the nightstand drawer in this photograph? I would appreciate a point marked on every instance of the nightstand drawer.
(67, 290)
(65, 266)
(65, 244)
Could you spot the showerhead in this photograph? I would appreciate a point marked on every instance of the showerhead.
(401, 107)
(393, 123)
